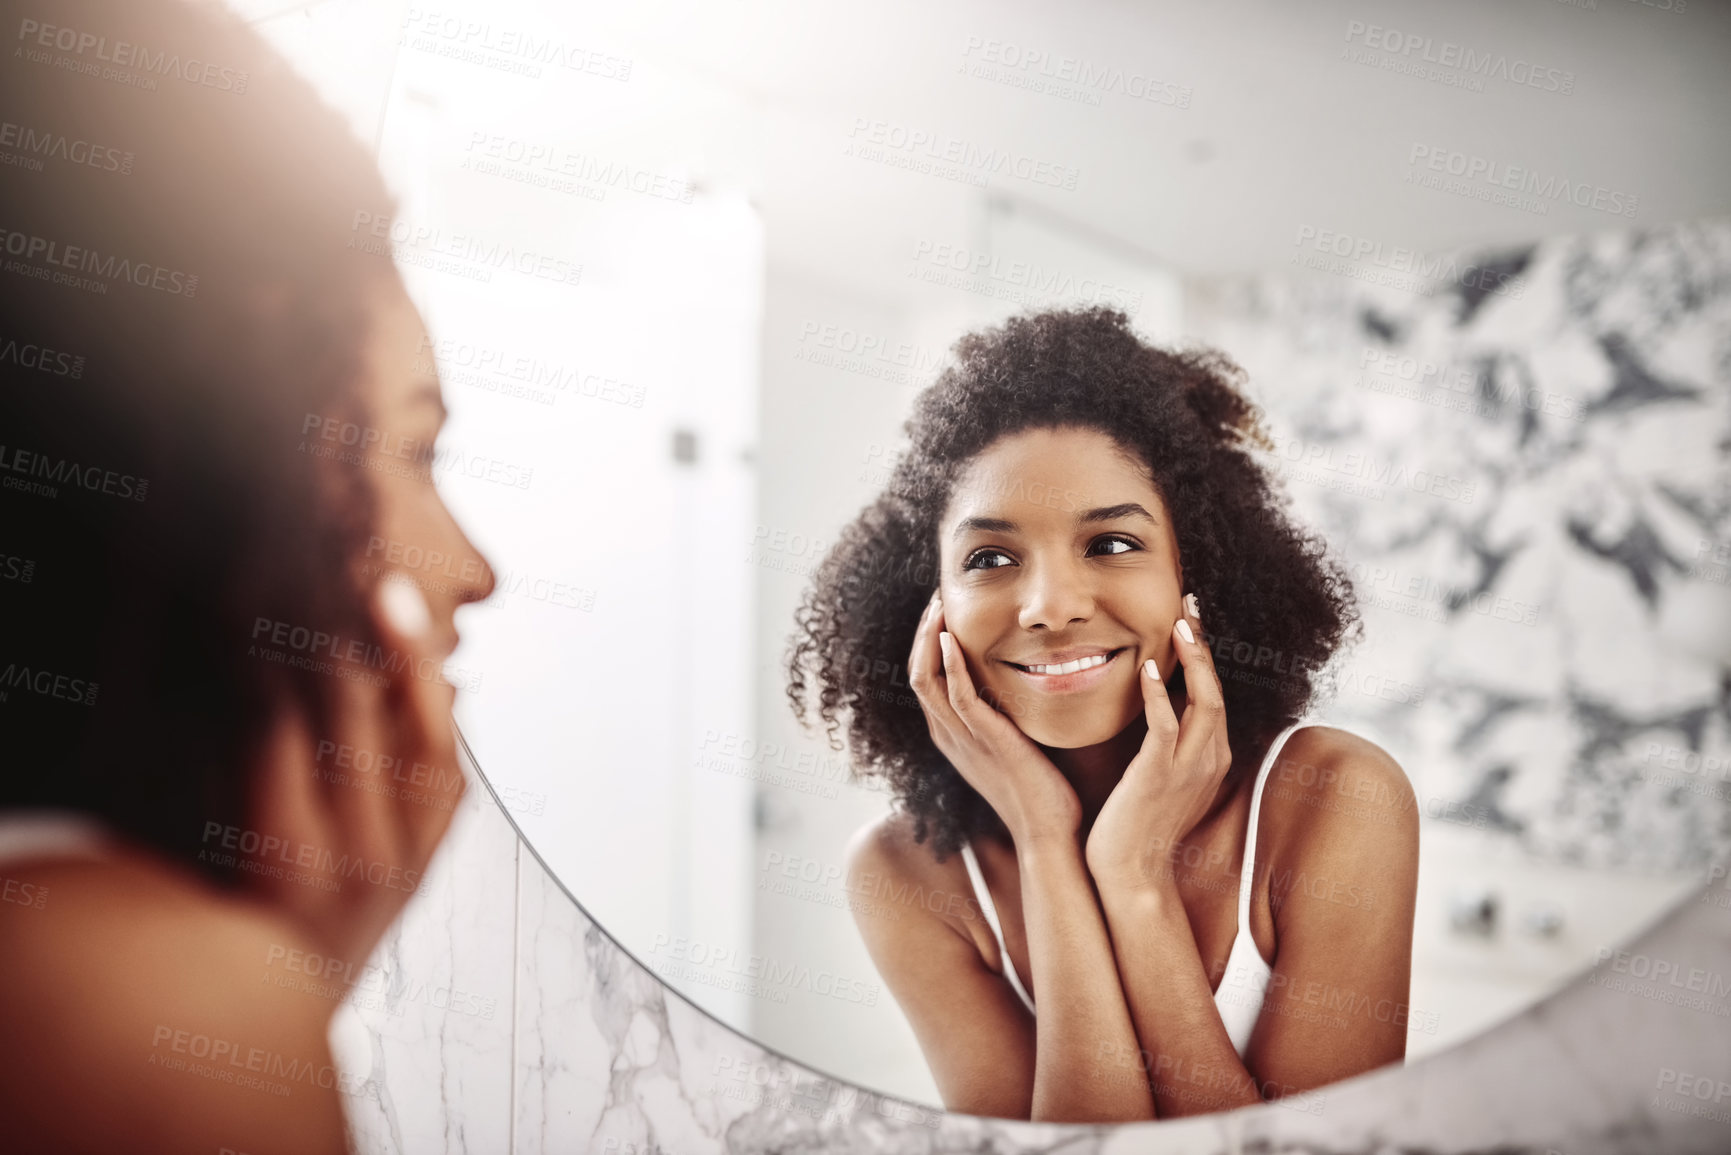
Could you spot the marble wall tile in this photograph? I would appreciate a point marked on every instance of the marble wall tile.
(1531, 487)
(429, 1031)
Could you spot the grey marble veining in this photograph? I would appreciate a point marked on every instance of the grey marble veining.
(1526, 462)
(428, 1034)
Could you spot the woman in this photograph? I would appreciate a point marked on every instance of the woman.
(229, 744)
(1208, 903)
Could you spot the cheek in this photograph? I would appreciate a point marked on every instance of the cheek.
(410, 512)
(394, 510)
(972, 619)
(1147, 608)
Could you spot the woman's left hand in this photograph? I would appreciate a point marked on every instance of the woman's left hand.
(1172, 782)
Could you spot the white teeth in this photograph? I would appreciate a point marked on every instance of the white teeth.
(1072, 667)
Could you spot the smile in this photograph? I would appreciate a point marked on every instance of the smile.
(1076, 666)
(1071, 667)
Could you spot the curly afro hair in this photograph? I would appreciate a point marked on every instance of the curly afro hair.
(1274, 600)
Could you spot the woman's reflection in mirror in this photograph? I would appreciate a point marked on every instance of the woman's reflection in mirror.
(1112, 630)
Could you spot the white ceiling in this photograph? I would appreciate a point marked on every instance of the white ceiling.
(1280, 133)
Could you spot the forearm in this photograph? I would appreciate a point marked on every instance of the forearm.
(1184, 1048)
(1083, 1013)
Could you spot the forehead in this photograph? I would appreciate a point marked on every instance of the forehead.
(1051, 471)
(401, 357)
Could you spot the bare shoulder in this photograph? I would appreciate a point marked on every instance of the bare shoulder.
(892, 878)
(885, 849)
(916, 916)
(1330, 786)
(133, 975)
(1342, 844)
(886, 846)
(132, 897)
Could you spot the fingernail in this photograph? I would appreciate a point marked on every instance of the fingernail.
(1192, 606)
(944, 641)
(1184, 631)
(1153, 669)
(405, 606)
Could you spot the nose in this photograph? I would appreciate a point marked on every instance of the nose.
(481, 586)
(471, 579)
(1057, 594)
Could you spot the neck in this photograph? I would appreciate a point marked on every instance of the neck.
(1094, 771)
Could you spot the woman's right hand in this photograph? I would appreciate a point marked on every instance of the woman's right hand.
(991, 753)
(359, 811)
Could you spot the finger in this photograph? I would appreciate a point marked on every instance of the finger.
(923, 654)
(419, 703)
(931, 687)
(352, 760)
(1204, 722)
(291, 806)
(1203, 652)
(1162, 721)
(926, 674)
(436, 780)
(1193, 612)
(356, 794)
(359, 761)
(964, 699)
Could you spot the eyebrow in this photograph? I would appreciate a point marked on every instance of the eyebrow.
(1114, 512)
(984, 525)
(1086, 517)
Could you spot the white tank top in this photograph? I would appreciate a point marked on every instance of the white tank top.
(26, 834)
(1243, 986)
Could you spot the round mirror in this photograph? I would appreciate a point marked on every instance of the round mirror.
(689, 270)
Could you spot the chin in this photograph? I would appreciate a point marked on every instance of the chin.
(1074, 728)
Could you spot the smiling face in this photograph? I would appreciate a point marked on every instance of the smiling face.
(1060, 576)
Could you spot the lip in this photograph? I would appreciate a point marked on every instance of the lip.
(1070, 683)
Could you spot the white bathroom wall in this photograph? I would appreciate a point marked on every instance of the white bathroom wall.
(840, 371)
(594, 308)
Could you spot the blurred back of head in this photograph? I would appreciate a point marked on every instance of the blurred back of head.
(176, 296)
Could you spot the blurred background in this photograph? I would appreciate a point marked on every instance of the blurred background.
(686, 266)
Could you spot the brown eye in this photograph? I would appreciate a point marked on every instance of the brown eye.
(987, 559)
(1117, 544)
